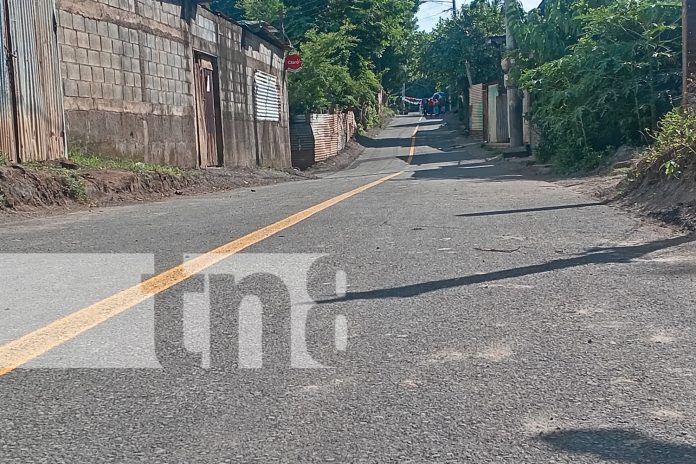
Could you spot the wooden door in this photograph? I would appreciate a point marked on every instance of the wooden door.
(207, 104)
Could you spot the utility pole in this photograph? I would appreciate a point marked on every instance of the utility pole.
(689, 56)
(403, 98)
(514, 95)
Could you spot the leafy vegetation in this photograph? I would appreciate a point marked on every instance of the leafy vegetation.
(73, 185)
(351, 49)
(601, 73)
(326, 82)
(460, 46)
(92, 161)
(72, 180)
(674, 147)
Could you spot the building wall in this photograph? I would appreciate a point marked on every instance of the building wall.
(127, 68)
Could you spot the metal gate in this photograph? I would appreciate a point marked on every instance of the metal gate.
(497, 115)
(32, 123)
(207, 98)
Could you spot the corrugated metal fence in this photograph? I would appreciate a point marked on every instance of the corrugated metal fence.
(477, 111)
(31, 101)
(7, 132)
(317, 137)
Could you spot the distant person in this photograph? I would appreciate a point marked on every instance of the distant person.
(431, 106)
(424, 107)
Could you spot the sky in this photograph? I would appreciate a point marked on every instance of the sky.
(430, 12)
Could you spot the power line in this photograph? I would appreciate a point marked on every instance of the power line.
(446, 10)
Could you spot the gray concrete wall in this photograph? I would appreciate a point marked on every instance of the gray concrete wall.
(127, 68)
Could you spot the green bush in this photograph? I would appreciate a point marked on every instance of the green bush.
(91, 161)
(612, 86)
(74, 186)
(674, 147)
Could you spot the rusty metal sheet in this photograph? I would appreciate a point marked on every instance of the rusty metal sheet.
(477, 111)
(7, 130)
(37, 80)
(325, 136)
(321, 136)
(346, 129)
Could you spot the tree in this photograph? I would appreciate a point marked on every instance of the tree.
(458, 42)
(328, 81)
(619, 75)
(351, 48)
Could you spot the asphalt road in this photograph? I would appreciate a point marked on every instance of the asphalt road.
(461, 312)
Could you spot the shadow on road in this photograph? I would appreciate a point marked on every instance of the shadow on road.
(532, 210)
(369, 142)
(424, 123)
(437, 136)
(463, 158)
(600, 255)
(621, 445)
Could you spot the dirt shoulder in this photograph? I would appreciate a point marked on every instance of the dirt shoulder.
(651, 195)
(86, 181)
(55, 188)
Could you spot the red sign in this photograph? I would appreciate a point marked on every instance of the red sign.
(293, 62)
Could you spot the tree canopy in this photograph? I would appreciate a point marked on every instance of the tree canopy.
(350, 48)
(602, 73)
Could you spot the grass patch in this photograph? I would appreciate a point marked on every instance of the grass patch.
(72, 183)
(91, 161)
(674, 147)
(4, 159)
(74, 186)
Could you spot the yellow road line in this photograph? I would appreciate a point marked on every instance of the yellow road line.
(22, 350)
(413, 145)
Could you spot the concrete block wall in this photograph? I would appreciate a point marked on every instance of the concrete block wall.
(129, 84)
(274, 138)
(240, 53)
